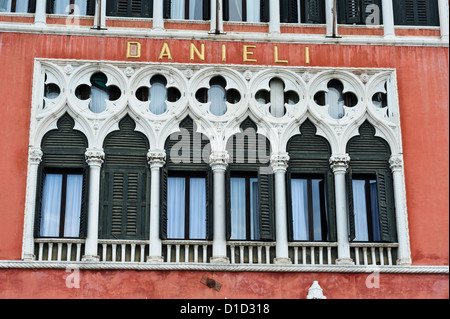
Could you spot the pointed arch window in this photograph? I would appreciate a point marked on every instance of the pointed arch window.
(124, 203)
(62, 183)
(186, 182)
(249, 186)
(310, 187)
(370, 188)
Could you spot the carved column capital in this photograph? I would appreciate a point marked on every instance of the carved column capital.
(94, 157)
(35, 155)
(156, 158)
(339, 163)
(279, 162)
(396, 163)
(218, 160)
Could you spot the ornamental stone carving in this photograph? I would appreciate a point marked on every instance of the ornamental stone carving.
(396, 163)
(156, 158)
(279, 162)
(339, 163)
(94, 157)
(218, 160)
(35, 155)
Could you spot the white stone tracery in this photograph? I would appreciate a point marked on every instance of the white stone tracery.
(306, 82)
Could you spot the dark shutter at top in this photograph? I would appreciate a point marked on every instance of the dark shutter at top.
(50, 6)
(130, 8)
(32, 6)
(289, 11)
(266, 205)
(90, 7)
(316, 11)
(416, 12)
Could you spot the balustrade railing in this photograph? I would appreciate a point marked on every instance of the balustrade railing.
(200, 252)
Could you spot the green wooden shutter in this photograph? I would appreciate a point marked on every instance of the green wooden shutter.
(316, 11)
(84, 204)
(265, 11)
(350, 207)
(166, 9)
(50, 7)
(331, 206)
(130, 8)
(206, 9)
(228, 203)
(164, 175)
(209, 206)
(416, 12)
(226, 10)
(266, 205)
(386, 204)
(90, 7)
(289, 204)
(32, 6)
(39, 192)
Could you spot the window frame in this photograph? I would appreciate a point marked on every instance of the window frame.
(188, 175)
(206, 10)
(248, 176)
(323, 207)
(62, 216)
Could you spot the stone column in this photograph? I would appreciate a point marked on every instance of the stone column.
(216, 26)
(156, 160)
(443, 18)
(40, 17)
(329, 17)
(339, 165)
(100, 14)
(388, 19)
(158, 19)
(219, 164)
(404, 257)
(34, 159)
(94, 158)
(274, 17)
(279, 163)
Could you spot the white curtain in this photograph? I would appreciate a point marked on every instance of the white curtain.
(177, 9)
(175, 207)
(374, 208)
(277, 98)
(235, 13)
(63, 7)
(22, 6)
(51, 205)
(5, 5)
(360, 209)
(254, 207)
(197, 208)
(253, 11)
(238, 227)
(195, 9)
(334, 99)
(299, 189)
(98, 98)
(158, 97)
(73, 205)
(216, 95)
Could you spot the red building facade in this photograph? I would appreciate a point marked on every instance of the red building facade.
(334, 109)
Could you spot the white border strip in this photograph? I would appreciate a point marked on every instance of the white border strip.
(12, 264)
(229, 36)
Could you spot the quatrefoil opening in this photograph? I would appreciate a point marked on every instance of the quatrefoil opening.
(218, 96)
(277, 97)
(336, 99)
(158, 94)
(98, 92)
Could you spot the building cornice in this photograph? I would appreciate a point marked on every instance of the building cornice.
(49, 29)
